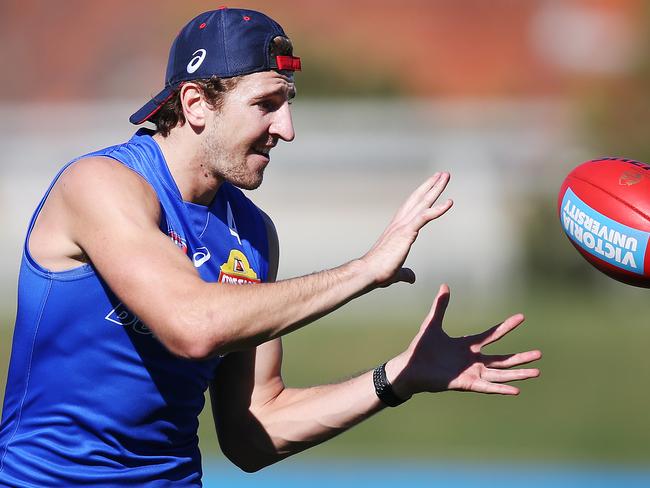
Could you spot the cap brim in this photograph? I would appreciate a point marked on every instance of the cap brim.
(152, 106)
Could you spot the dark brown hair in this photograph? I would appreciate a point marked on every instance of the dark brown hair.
(213, 90)
(171, 113)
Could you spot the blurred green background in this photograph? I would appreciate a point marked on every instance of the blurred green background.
(508, 95)
(590, 404)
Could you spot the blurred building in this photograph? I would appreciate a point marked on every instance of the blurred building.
(72, 49)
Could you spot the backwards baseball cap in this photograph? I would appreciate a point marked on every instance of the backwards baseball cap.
(225, 43)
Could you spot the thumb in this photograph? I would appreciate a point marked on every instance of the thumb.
(406, 275)
(438, 307)
(403, 275)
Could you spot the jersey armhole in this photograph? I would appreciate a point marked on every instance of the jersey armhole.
(82, 270)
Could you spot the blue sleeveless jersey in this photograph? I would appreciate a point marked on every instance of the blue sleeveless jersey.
(93, 398)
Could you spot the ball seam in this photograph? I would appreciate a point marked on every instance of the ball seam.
(637, 210)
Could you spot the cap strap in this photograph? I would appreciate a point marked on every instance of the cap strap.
(288, 63)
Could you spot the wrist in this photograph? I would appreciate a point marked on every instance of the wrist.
(362, 270)
(395, 374)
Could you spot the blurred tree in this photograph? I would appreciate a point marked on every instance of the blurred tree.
(322, 80)
(613, 119)
(615, 112)
(549, 260)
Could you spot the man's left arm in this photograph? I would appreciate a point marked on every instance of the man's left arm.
(259, 421)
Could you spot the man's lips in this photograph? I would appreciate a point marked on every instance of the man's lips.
(262, 150)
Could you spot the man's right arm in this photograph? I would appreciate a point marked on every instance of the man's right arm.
(111, 214)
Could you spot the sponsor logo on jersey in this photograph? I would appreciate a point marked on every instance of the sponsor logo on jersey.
(177, 239)
(201, 256)
(237, 270)
(121, 315)
(607, 239)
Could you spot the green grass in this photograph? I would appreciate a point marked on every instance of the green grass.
(591, 403)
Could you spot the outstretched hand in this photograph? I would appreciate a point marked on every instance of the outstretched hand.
(387, 256)
(436, 362)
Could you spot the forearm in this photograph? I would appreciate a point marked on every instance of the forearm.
(226, 318)
(298, 419)
(259, 421)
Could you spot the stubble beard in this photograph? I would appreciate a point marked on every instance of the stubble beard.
(228, 167)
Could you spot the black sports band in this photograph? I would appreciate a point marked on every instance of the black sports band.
(383, 388)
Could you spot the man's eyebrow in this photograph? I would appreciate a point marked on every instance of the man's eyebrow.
(280, 90)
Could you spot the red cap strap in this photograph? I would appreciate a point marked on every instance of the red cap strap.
(289, 63)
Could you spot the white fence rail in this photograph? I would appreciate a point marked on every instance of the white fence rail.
(333, 189)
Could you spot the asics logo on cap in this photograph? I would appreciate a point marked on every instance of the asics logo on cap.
(196, 61)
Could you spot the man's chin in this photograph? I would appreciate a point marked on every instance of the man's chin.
(248, 184)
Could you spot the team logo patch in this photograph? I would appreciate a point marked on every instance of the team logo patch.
(237, 270)
(607, 239)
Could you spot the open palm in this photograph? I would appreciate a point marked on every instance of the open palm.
(438, 362)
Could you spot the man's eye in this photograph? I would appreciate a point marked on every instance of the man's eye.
(267, 105)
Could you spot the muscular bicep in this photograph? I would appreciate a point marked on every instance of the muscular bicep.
(113, 216)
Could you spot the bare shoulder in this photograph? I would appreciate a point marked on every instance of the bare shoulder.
(98, 179)
(90, 192)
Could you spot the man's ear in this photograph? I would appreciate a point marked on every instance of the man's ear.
(194, 106)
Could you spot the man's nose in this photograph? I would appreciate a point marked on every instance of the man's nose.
(282, 125)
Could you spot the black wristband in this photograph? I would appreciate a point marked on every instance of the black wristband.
(383, 388)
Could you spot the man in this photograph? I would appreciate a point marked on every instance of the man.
(130, 296)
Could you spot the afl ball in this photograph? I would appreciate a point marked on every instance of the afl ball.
(604, 210)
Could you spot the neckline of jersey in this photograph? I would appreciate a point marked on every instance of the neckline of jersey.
(147, 136)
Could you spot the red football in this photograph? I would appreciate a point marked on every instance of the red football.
(604, 209)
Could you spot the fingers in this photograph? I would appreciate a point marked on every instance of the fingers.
(422, 190)
(423, 198)
(438, 186)
(430, 214)
(504, 376)
(483, 386)
(497, 332)
(430, 190)
(436, 190)
(417, 196)
(510, 360)
(422, 210)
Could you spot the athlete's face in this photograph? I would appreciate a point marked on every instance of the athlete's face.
(253, 117)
